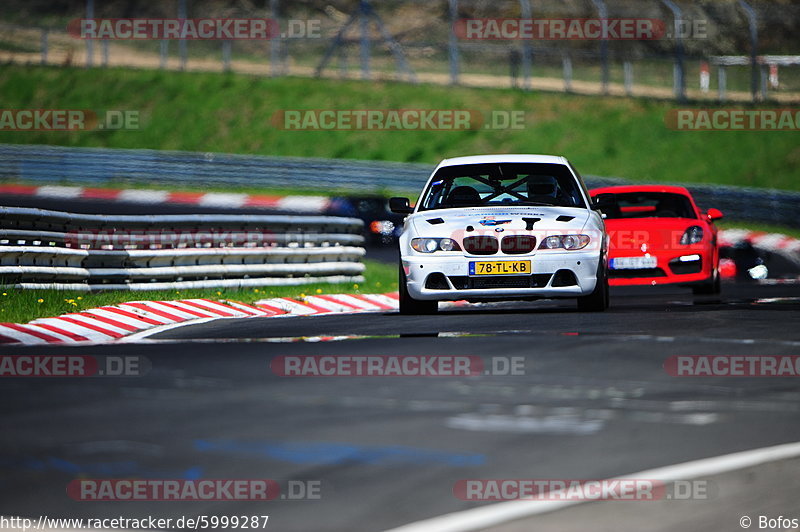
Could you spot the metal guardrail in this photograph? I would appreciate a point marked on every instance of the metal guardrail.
(100, 165)
(51, 249)
(95, 166)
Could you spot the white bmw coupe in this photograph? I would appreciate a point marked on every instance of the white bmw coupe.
(502, 227)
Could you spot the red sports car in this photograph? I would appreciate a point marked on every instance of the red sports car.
(658, 235)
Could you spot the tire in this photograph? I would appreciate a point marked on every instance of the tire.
(597, 301)
(709, 288)
(411, 306)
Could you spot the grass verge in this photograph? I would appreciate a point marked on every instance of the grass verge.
(231, 113)
(22, 306)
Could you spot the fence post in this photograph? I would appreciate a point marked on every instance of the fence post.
(104, 48)
(89, 42)
(752, 19)
(453, 43)
(182, 42)
(274, 38)
(679, 79)
(602, 12)
(627, 68)
(566, 61)
(44, 45)
(226, 55)
(164, 46)
(722, 82)
(365, 44)
(527, 52)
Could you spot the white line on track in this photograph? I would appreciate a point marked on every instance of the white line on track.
(504, 512)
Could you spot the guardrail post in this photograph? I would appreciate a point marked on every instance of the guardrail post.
(104, 51)
(566, 62)
(722, 82)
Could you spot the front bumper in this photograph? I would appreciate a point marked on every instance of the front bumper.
(669, 270)
(445, 277)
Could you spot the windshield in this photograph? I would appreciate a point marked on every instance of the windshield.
(502, 184)
(650, 205)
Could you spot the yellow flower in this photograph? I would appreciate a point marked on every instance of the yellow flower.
(40, 300)
(302, 296)
(5, 294)
(219, 293)
(355, 286)
(79, 298)
(319, 290)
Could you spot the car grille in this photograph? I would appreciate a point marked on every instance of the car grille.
(683, 268)
(481, 245)
(462, 282)
(635, 273)
(518, 244)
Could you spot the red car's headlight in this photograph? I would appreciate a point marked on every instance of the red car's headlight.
(693, 235)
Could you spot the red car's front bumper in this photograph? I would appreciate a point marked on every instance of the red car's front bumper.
(671, 268)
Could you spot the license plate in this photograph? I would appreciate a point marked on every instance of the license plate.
(633, 263)
(516, 267)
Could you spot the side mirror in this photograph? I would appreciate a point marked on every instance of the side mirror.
(604, 201)
(400, 206)
(714, 214)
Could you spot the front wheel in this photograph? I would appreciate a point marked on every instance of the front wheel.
(709, 288)
(597, 301)
(409, 305)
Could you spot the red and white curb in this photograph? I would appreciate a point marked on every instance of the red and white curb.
(138, 318)
(309, 204)
(786, 246)
(774, 242)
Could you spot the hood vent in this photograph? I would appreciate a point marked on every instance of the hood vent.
(529, 223)
(564, 218)
(435, 221)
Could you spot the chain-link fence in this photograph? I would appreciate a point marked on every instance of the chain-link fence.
(721, 50)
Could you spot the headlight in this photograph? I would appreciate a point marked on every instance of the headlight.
(430, 245)
(693, 235)
(569, 242)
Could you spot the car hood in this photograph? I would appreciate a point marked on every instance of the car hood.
(638, 235)
(487, 220)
